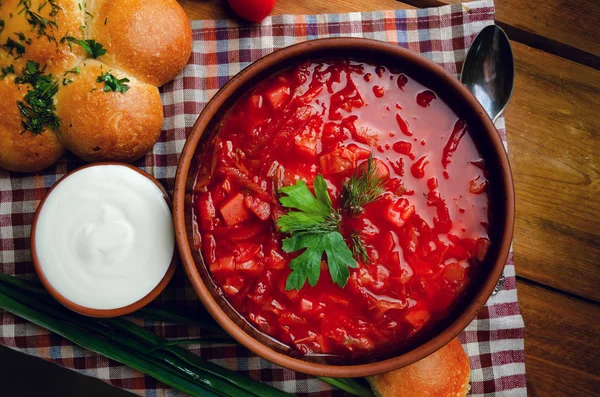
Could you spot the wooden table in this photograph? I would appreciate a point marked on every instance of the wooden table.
(553, 125)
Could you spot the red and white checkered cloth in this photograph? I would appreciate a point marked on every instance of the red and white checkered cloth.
(494, 341)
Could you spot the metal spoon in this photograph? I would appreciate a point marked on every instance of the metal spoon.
(489, 73)
(489, 70)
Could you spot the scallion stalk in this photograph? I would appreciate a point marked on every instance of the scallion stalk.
(111, 350)
(143, 350)
(351, 386)
(138, 342)
(195, 341)
(165, 315)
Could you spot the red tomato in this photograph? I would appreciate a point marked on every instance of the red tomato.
(252, 10)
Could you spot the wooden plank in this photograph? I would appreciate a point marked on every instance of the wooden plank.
(554, 140)
(219, 9)
(566, 29)
(553, 135)
(569, 32)
(562, 335)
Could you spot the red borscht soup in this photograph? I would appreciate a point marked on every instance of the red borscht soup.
(422, 233)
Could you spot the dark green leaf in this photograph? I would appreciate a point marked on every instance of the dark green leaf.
(10, 69)
(301, 198)
(296, 220)
(90, 46)
(309, 262)
(339, 258)
(75, 70)
(38, 110)
(111, 83)
(21, 36)
(41, 24)
(321, 191)
(314, 229)
(12, 45)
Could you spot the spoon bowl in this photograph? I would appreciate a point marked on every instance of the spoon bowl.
(489, 70)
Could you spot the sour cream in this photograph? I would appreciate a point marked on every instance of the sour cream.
(104, 237)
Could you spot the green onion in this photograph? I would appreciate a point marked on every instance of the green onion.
(95, 344)
(167, 315)
(132, 345)
(352, 386)
(196, 341)
(192, 359)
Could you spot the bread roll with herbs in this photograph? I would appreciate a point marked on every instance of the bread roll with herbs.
(143, 37)
(132, 122)
(22, 150)
(33, 30)
(444, 373)
(84, 75)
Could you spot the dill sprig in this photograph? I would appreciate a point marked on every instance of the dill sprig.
(12, 45)
(10, 69)
(364, 187)
(37, 112)
(359, 250)
(38, 22)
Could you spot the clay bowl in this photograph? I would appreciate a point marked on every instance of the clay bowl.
(87, 311)
(501, 203)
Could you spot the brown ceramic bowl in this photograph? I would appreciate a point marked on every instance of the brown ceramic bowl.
(500, 193)
(102, 313)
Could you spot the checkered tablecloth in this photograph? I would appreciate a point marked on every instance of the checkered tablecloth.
(494, 341)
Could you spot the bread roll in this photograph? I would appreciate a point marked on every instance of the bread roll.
(150, 39)
(45, 49)
(147, 42)
(98, 125)
(444, 373)
(22, 151)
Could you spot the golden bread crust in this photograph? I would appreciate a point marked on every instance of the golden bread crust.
(100, 126)
(22, 151)
(444, 373)
(44, 49)
(151, 39)
(147, 41)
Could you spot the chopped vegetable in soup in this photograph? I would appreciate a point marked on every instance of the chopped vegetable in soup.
(342, 207)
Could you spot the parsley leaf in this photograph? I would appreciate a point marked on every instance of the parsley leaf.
(339, 258)
(300, 198)
(91, 46)
(314, 228)
(111, 83)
